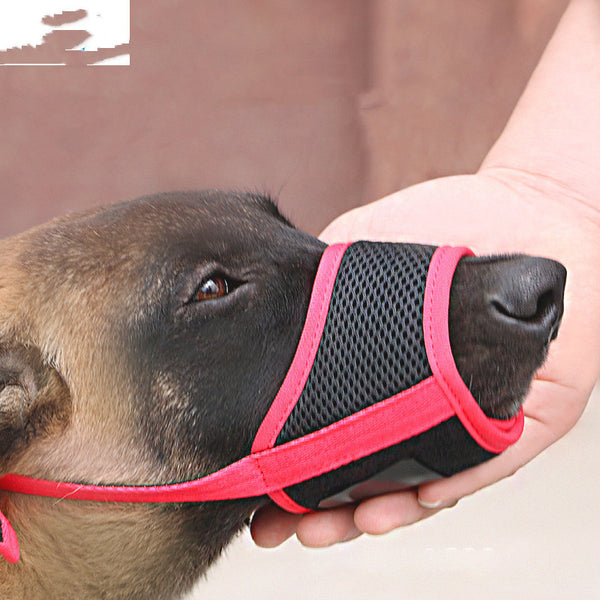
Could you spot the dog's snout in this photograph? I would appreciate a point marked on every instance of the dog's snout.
(504, 312)
(527, 293)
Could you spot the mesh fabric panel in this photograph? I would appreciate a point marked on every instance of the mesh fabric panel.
(372, 345)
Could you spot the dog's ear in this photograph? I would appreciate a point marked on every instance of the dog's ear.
(33, 398)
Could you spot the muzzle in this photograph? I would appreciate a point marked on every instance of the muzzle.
(371, 402)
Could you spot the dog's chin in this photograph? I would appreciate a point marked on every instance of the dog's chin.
(499, 392)
(501, 407)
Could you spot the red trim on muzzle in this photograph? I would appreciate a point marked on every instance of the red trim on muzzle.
(269, 469)
(494, 435)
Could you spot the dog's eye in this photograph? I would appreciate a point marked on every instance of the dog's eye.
(211, 288)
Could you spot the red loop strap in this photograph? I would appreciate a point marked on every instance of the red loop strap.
(494, 435)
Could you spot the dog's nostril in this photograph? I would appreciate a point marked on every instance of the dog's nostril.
(529, 293)
(532, 310)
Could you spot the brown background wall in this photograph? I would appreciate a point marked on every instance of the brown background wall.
(327, 104)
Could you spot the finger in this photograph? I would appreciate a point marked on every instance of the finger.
(347, 227)
(382, 514)
(321, 529)
(271, 526)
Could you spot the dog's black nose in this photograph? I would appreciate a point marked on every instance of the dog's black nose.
(528, 294)
(504, 311)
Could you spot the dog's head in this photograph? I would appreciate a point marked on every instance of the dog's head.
(144, 343)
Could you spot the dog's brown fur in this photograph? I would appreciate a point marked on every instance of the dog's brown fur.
(70, 409)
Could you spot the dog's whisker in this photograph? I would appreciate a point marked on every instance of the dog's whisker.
(66, 496)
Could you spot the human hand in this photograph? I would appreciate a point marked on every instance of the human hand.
(538, 192)
(494, 211)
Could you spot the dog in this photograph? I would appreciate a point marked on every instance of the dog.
(142, 343)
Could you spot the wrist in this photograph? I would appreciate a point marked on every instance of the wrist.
(547, 191)
(554, 129)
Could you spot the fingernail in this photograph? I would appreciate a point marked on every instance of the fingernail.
(437, 503)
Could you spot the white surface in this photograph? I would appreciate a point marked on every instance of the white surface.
(535, 536)
(21, 22)
(121, 60)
